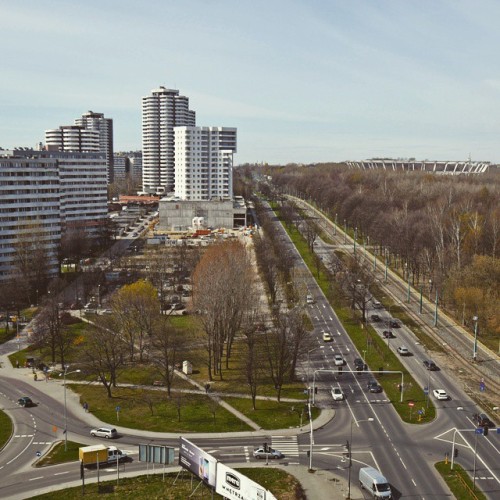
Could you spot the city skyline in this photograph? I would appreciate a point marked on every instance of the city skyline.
(302, 81)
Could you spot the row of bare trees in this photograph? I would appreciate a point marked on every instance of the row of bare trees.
(438, 230)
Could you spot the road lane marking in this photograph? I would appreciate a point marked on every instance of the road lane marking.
(61, 473)
(35, 478)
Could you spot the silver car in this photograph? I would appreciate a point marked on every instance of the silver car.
(270, 453)
(104, 432)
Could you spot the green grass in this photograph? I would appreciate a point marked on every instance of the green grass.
(271, 414)
(57, 454)
(135, 412)
(459, 481)
(6, 335)
(5, 428)
(279, 482)
(378, 355)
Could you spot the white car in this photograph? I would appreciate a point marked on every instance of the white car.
(403, 351)
(309, 299)
(440, 394)
(327, 337)
(337, 394)
(338, 360)
(104, 432)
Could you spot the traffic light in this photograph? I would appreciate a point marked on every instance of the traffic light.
(455, 453)
(315, 390)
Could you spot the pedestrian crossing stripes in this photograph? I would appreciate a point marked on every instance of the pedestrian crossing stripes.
(288, 445)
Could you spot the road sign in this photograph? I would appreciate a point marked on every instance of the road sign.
(411, 403)
(118, 408)
(38, 453)
(479, 430)
(498, 430)
(426, 390)
(482, 386)
(420, 412)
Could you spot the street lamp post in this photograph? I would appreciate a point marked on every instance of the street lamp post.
(355, 236)
(349, 449)
(474, 349)
(309, 364)
(436, 309)
(420, 304)
(64, 373)
(345, 232)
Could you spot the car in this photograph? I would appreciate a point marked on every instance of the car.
(394, 324)
(359, 364)
(309, 299)
(440, 394)
(375, 318)
(25, 402)
(105, 432)
(327, 337)
(482, 420)
(260, 453)
(337, 394)
(430, 365)
(338, 360)
(374, 386)
(388, 334)
(403, 351)
(377, 305)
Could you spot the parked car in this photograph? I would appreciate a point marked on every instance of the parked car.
(440, 394)
(374, 386)
(337, 394)
(430, 365)
(482, 420)
(388, 334)
(327, 337)
(375, 318)
(105, 432)
(403, 351)
(260, 453)
(25, 402)
(338, 360)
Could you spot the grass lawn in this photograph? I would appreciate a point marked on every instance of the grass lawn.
(7, 334)
(273, 415)
(5, 428)
(458, 481)
(57, 455)
(280, 483)
(366, 339)
(151, 410)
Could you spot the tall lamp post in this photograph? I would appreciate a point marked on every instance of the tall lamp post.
(349, 449)
(474, 349)
(64, 373)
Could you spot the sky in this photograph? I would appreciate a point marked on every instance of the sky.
(304, 81)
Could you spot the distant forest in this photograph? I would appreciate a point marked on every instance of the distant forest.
(443, 230)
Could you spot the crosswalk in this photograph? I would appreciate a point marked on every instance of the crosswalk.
(288, 445)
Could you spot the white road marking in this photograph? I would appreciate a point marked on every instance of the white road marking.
(414, 483)
(61, 473)
(35, 478)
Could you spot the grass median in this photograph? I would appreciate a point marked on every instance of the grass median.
(151, 410)
(58, 455)
(279, 482)
(377, 353)
(5, 429)
(459, 482)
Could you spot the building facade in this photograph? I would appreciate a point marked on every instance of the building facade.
(204, 162)
(104, 127)
(163, 110)
(30, 214)
(72, 138)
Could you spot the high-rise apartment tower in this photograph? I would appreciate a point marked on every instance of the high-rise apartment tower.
(163, 110)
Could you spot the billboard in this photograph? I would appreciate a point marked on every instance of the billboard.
(197, 461)
(233, 485)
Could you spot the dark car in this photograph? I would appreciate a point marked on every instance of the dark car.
(482, 420)
(394, 324)
(359, 364)
(374, 386)
(430, 365)
(387, 334)
(375, 317)
(25, 402)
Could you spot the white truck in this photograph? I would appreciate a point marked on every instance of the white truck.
(373, 481)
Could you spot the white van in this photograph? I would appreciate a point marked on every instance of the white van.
(373, 481)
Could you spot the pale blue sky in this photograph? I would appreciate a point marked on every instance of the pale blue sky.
(303, 80)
